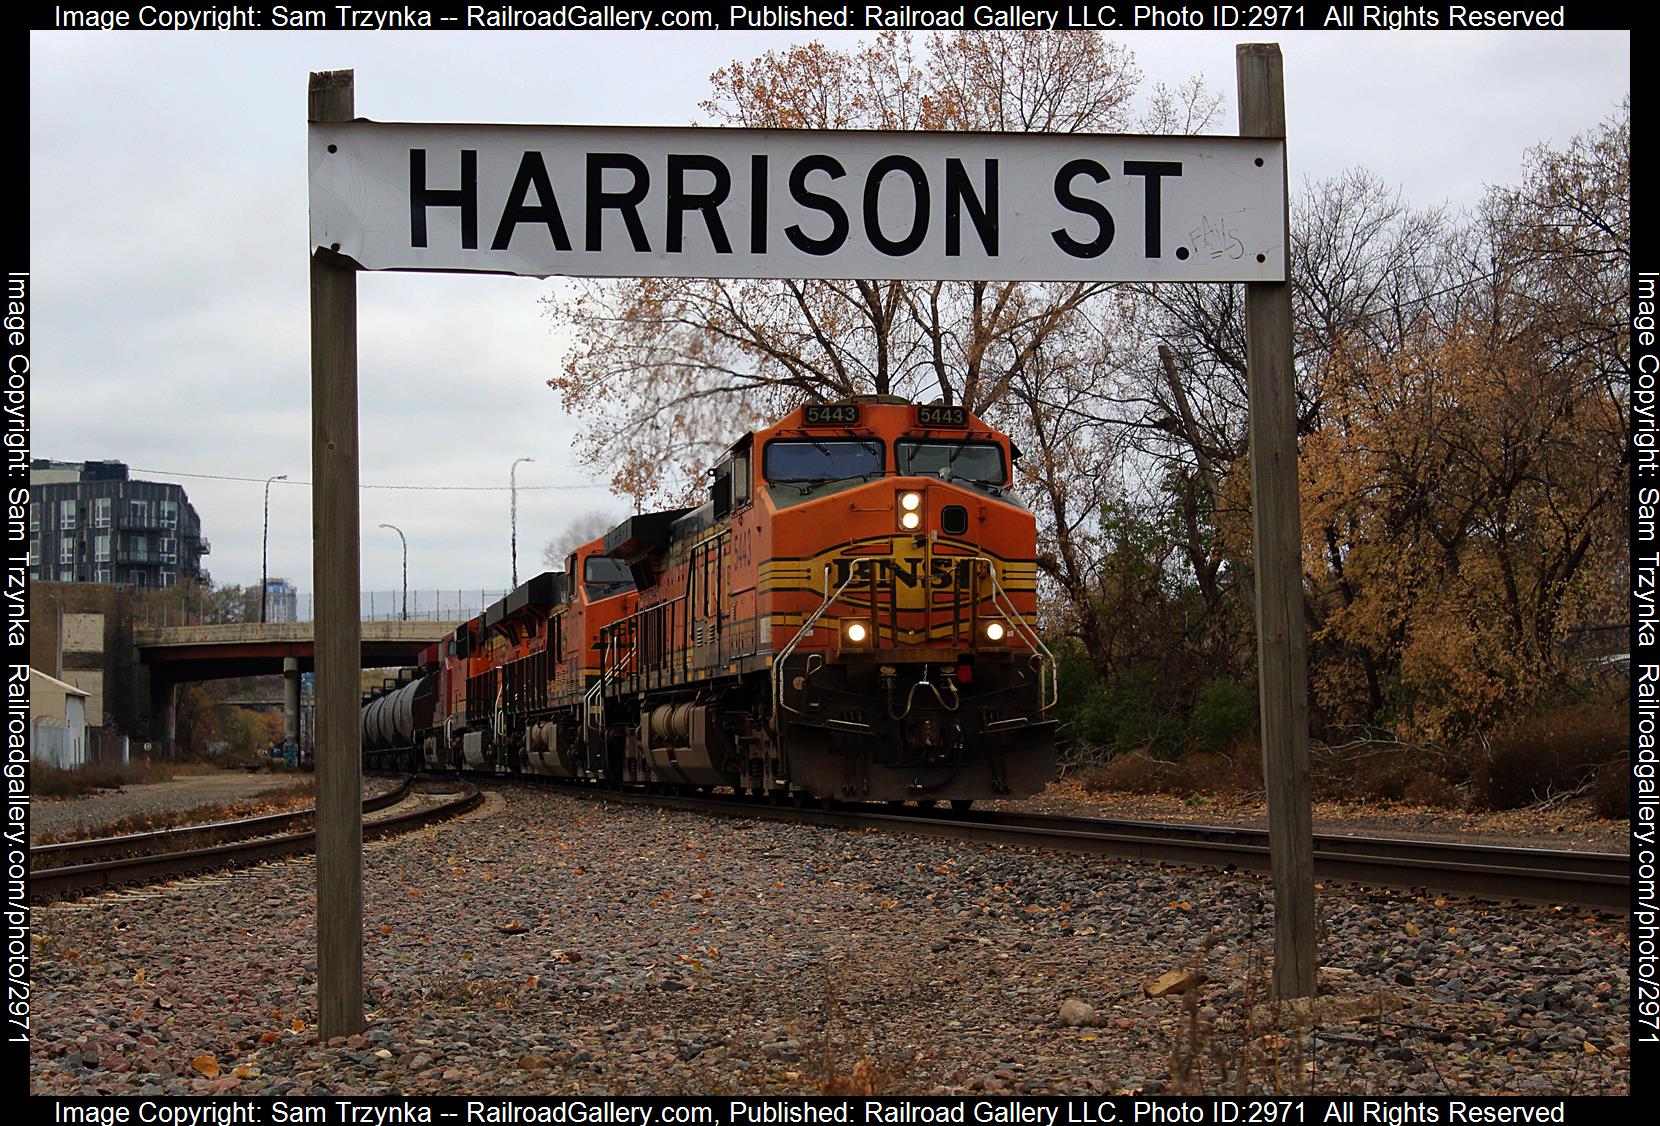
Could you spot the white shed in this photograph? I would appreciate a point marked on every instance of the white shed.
(57, 722)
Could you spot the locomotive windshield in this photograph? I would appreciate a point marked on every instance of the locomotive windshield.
(603, 576)
(980, 462)
(811, 459)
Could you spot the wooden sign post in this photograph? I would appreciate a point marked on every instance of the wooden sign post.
(334, 554)
(1277, 541)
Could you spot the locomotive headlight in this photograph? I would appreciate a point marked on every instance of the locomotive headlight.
(855, 631)
(910, 502)
(994, 630)
(910, 521)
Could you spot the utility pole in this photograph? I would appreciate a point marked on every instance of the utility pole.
(399, 530)
(513, 506)
(265, 546)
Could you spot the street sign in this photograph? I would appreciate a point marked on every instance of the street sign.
(778, 203)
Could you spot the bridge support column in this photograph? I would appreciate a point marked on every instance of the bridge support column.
(291, 699)
(164, 716)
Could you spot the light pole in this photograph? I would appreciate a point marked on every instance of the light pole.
(513, 504)
(265, 545)
(399, 530)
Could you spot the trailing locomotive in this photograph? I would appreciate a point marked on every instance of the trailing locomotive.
(848, 616)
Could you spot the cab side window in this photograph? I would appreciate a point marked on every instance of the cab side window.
(740, 479)
(720, 492)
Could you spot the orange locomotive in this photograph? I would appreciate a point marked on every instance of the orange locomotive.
(848, 616)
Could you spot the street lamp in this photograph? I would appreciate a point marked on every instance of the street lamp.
(265, 545)
(513, 490)
(399, 530)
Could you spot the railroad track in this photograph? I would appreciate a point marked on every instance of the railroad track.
(62, 854)
(1529, 875)
(71, 867)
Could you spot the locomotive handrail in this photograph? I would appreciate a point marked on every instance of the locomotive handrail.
(593, 701)
(1001, 599)
(806, 627)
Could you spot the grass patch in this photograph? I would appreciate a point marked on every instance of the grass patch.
(50, 782)
(1196, 772)
(1544, 757)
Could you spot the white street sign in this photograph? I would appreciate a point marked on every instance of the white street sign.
(774, 203)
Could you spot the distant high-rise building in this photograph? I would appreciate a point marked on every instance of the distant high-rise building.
(90, 523)
(282, 601)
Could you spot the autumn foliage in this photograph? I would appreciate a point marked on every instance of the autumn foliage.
(1461, 406)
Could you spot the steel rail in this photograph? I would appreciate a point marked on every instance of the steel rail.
(52, 883)
(1493, 872)
(181, 837)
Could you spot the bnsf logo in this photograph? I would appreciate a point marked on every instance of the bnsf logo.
(938, 574)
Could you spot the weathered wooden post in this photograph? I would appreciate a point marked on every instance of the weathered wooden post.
(334, 533)
(1282, 651)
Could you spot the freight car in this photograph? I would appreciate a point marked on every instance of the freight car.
(847, 616)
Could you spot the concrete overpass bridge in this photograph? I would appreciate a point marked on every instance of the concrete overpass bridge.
(178, 655)
(186, 653)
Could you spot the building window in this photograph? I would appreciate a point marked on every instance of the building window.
(66, 515)
(101, 512)
(101, 548)
(34, 517)
(139, 512)
(34, 553)
(141, 579)
(139, 550)
(104, 575)
(168, 578)
(169, 513)
(66, 550)
(167, 550)
(66, 576)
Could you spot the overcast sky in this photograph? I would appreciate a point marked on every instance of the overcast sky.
(168, 247)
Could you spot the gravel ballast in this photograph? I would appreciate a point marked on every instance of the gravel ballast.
(550, 944)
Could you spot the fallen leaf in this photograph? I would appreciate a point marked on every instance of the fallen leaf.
(241, 1071)
(139, 976)
(270, 1038)
(207, 1065)
(298, 1026)
(1413, 929)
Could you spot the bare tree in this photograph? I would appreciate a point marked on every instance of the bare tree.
(666, 370)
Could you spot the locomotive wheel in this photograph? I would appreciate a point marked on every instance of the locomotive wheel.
(962, 805)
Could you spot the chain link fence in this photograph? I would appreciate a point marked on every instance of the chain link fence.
(185, 608)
